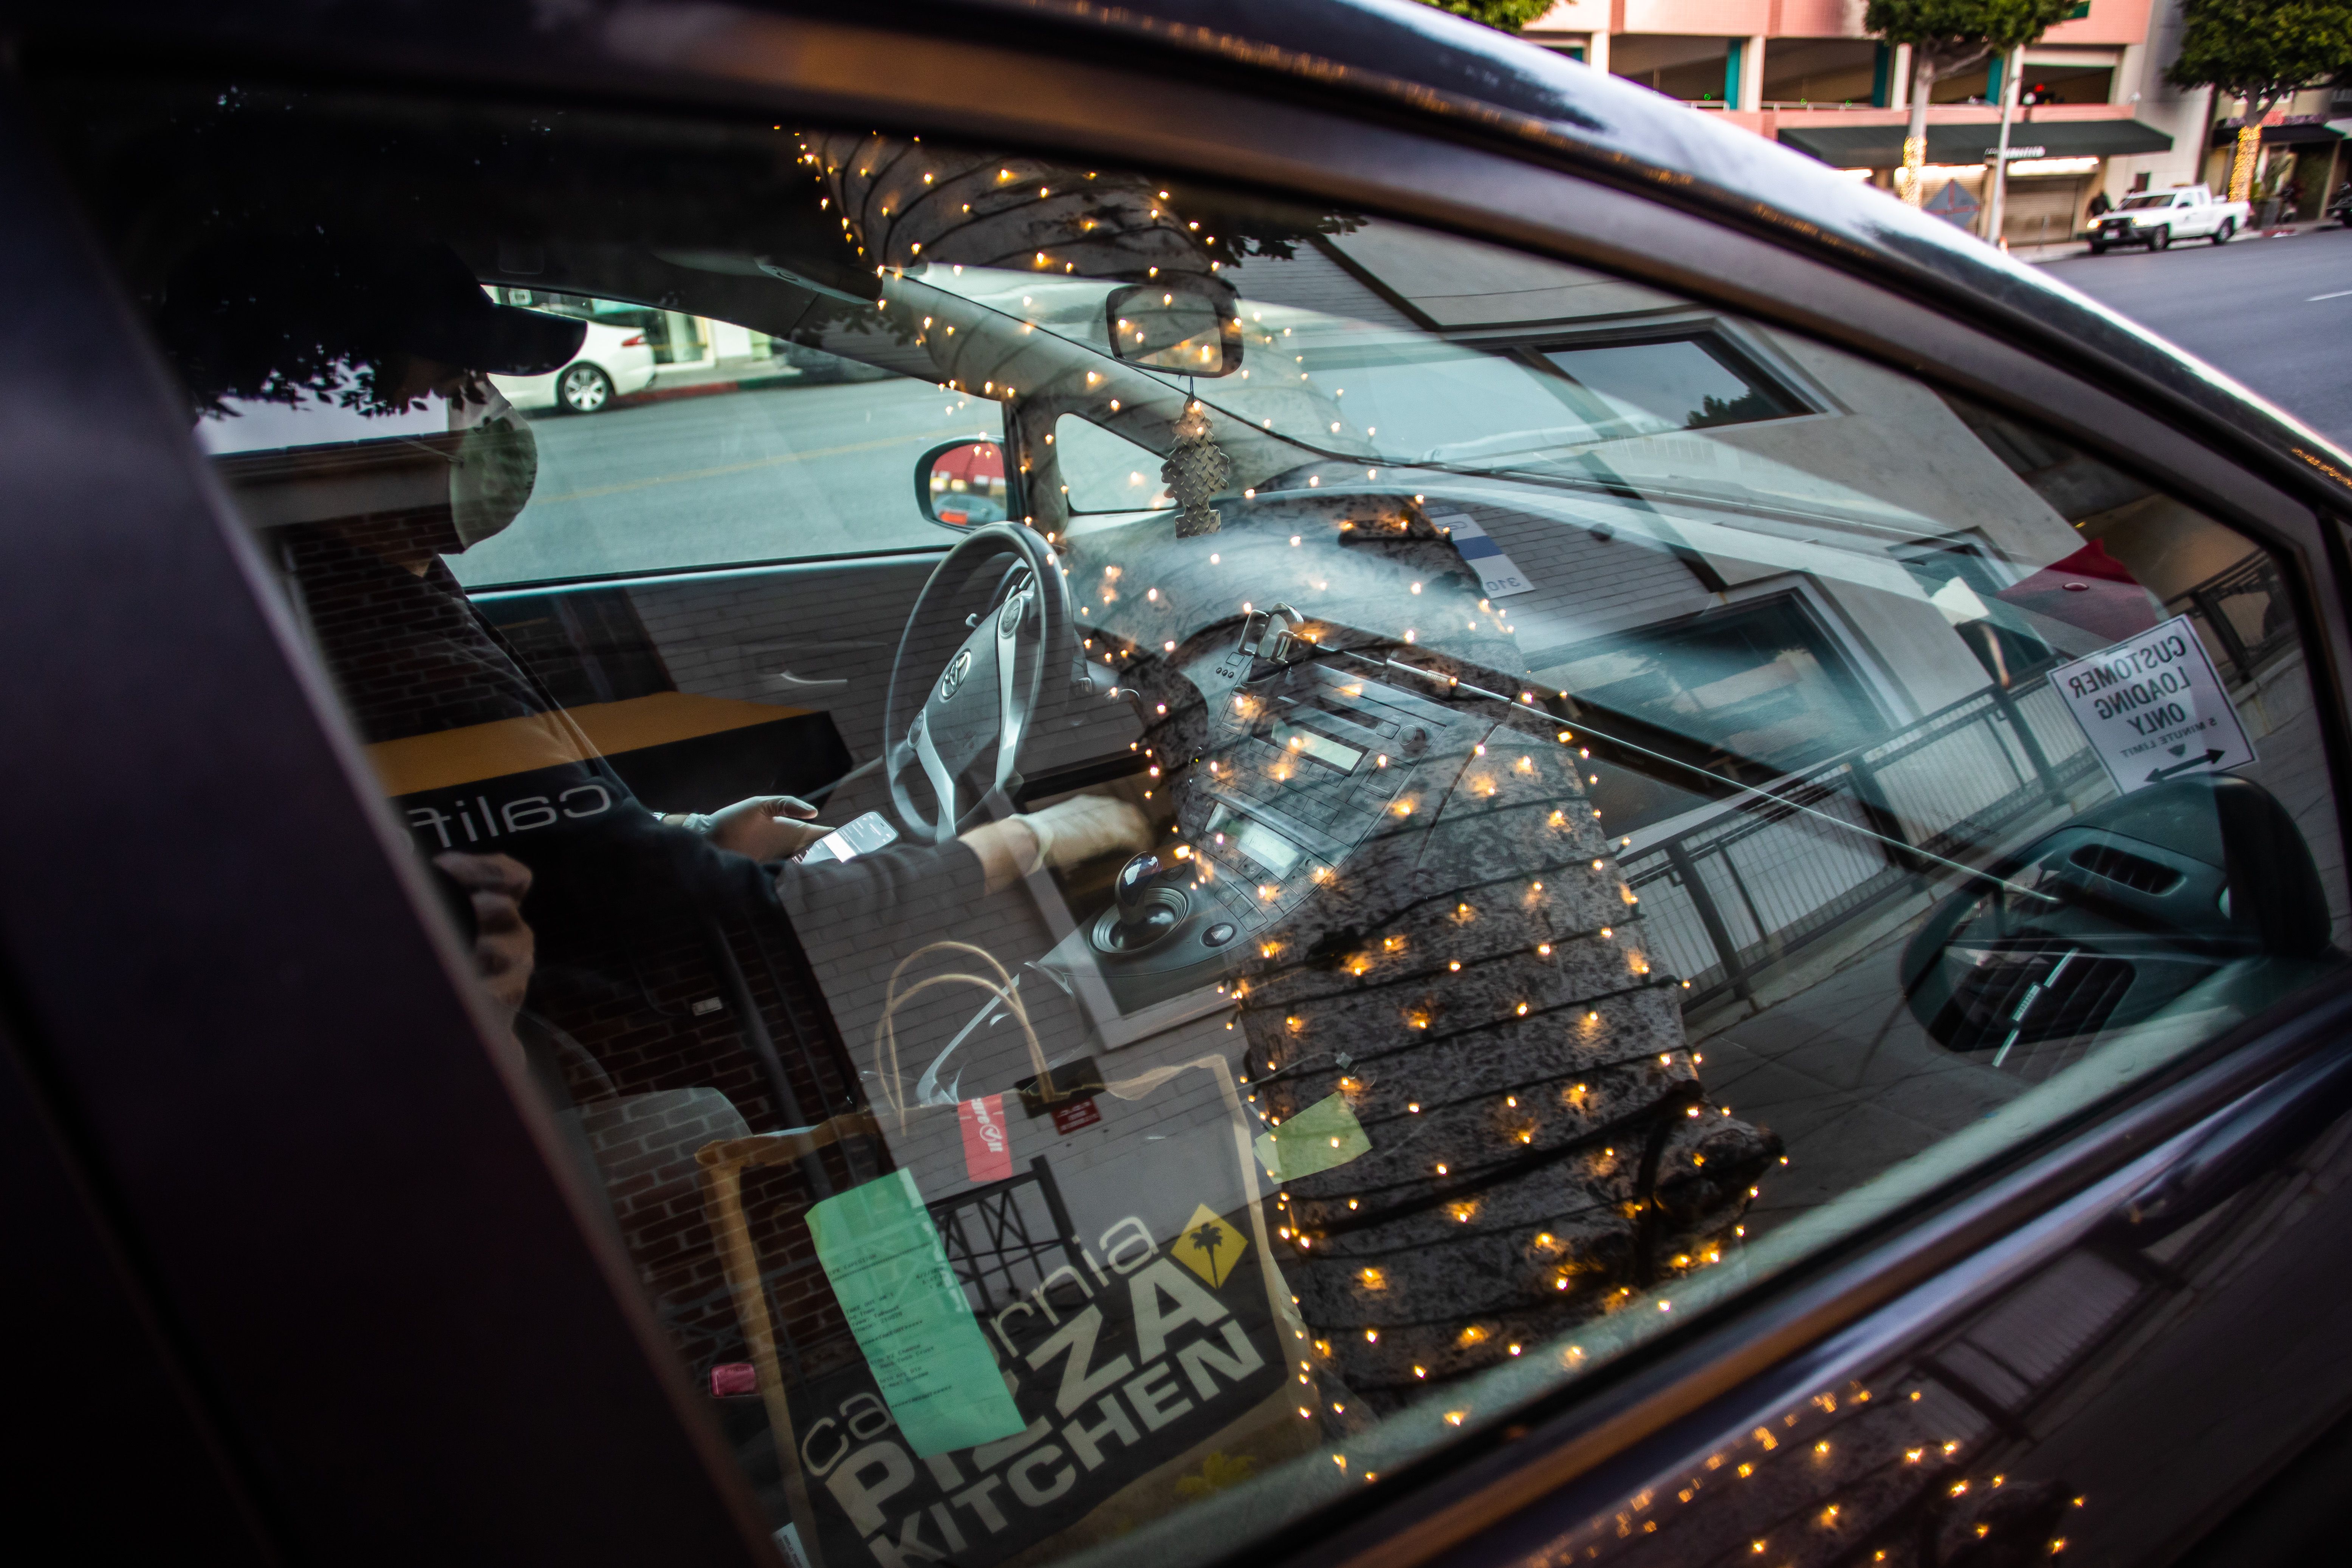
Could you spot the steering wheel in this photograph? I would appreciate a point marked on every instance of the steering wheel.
(959, 721)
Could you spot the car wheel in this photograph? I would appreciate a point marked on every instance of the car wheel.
(2222, 236)
(585, 389)
(2161, 240)
(2098, 251)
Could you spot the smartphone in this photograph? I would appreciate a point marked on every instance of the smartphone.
(869, 833)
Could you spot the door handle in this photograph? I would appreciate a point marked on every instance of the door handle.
(2262, 1130)
(803, 686)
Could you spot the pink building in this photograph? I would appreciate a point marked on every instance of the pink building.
(1805, 72)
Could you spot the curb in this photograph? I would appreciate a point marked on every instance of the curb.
(2066, 250)
(657, 393)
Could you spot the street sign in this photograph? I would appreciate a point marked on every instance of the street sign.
(2153, 708)
(1953, 205)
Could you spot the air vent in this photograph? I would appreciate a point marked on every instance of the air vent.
(2136, 872)
(2020, 996)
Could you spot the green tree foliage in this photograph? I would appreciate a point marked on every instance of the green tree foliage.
(1510, 15)
(2262, 50)
(1948, 36)
(1956, 34)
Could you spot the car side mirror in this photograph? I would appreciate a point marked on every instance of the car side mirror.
(1175, 326)
(960, 484)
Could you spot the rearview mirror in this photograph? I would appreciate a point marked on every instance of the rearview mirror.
(1175, 326)
(960, 484)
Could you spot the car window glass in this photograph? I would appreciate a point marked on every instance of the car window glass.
(1102, 471)
(1573, 803)
(660, 484)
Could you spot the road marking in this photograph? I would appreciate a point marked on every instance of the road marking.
(693, 474)
(2339, 294)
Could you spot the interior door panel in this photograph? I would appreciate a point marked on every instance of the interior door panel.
(2096, 1394)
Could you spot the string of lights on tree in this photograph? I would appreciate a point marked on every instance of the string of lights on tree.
(1542, 1150)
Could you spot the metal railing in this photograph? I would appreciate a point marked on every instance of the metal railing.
(1003, 1238)
(2243, 612)
(1002, 1241)
(1743, 891)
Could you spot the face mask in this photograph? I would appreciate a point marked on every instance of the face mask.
(496, 465)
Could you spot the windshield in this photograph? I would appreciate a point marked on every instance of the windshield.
(2149, 199)
(1180, 851)
(1350, 376)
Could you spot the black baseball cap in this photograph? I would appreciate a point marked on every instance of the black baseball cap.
(264, 315)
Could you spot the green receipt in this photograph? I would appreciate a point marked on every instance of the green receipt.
(1324, 1134)
(877, 1245)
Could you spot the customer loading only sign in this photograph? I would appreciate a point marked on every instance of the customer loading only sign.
(2153, 708)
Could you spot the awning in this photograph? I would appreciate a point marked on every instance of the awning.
(1881, 146)
(2312, 129)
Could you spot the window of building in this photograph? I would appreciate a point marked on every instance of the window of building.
(1674, 384)
(1761, 688)
(2040, 82)
(1963, 585)
(1693, 70)
(1972, 85)
(1507, 398)
(1820, 70)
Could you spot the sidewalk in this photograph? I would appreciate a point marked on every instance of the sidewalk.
(2060, 251)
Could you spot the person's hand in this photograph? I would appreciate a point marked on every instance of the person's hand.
(504, 948)
(767, 826)
(1084, 826)
(1064, 834)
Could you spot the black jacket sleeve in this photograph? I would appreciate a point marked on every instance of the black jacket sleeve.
(625, 872)
(896, 888)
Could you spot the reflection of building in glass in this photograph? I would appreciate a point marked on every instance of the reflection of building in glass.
(1752, 566)
(2092, 87)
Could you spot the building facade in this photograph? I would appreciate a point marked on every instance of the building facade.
(1805, 72)
(2303, 158)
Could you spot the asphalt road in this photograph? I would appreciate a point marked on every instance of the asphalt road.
(764, 475)
(2276, 314)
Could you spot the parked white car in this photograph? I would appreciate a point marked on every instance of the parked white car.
(614, 361)
(2157, 218)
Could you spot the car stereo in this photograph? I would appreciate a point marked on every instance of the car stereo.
(1302, 760)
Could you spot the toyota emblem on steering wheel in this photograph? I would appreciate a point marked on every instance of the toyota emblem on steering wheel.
(952, 681)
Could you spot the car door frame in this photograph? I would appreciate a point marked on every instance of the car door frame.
(199, 817)
(313, 1156)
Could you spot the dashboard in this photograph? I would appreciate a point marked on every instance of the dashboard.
(1287, 761)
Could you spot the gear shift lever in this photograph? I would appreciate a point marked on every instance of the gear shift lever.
(1148, 907)
(1134, 880)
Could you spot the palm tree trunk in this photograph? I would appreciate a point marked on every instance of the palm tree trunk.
(1915, 134)
(2250, 149)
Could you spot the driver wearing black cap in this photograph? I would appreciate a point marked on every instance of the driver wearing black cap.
(380, 327)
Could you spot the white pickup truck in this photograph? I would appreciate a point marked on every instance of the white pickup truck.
(2157, 218)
